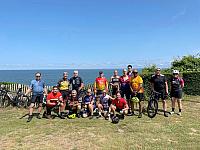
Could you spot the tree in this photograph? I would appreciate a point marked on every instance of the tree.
(187, 63)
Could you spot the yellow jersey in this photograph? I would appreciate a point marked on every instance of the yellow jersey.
(135, 83)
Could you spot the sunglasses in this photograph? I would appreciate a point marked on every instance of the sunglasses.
(37, 76)
(135, 72)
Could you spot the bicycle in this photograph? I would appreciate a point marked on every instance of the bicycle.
(152, 107)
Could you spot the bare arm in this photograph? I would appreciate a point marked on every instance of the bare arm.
(166, 85)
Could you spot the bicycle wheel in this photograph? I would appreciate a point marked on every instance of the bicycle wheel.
(27, 102)
(152, 108)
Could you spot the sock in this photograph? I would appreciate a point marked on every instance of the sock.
(173, 109)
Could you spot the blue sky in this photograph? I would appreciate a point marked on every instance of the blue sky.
(57, 34)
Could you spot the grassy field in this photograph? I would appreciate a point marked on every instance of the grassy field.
(174, 132)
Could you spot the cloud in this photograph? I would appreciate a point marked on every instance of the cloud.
(178, 15)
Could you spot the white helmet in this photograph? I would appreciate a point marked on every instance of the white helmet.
(175, 72)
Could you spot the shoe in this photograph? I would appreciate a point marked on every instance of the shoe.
(165, 114)
(38, 116)
(122, 116)
(78, 115)
(30, 117)
(130, 113)
(99, 116)
(179, 114)
(48, 116)
(140, 115)
(61, 116)
(172, 112)
(91, 117)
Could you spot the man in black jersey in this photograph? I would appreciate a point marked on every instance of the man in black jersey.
(159, 84)
(115, 83)
(76, 82)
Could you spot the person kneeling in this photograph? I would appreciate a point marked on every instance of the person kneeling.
(119, 105)
(74, 105)
(54, 99)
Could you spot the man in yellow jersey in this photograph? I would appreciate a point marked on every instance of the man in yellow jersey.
(137, 90)
(100, 84)
(63, 86)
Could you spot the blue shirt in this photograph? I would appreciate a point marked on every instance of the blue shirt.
(37, 87)
(88, 99)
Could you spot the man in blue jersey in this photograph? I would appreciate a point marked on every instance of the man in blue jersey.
(38, 90)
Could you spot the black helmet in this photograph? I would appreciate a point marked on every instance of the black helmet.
(115, 119)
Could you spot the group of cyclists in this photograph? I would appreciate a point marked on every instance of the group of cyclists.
(65, 96)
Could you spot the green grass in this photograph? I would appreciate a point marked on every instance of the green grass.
(174, 132)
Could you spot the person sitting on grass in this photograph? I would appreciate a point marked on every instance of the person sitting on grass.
(74, 105)
(103, 104)
(55, 99)
(88, 102)
(119, 105)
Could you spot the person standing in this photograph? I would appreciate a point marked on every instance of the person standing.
(100, 84)
(130, 70)
(38, 90)
(160, 85)
(76, 82)
(115, 82)
(136, 85)
(177, 85)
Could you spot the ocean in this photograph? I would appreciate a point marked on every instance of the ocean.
(51, 77)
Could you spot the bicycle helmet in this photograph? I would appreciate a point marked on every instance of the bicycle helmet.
(85, 115)
(72, 116)
(115, 119)
(175, 72)
(135, 100)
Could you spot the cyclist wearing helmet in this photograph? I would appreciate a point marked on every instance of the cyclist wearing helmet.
(63, 86)
(38, 90)
(119, 105)
(55, 99)
(115, 82)
(177, 85)
(88, 102)
(76, 82)
(136, 84)
(100, 84)
(103, 104)
(159, 84)
(74, 105)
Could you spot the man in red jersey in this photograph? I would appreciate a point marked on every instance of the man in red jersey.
(100, 84)
(55, 99)
(119, 105)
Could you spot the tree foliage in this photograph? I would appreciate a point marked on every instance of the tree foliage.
(187, 63)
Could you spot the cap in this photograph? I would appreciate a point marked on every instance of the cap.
(100, 72)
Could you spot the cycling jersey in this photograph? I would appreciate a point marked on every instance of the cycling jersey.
(88, 99)
(176, 84)
(53, 98)
(104, 101)
(100, 83)
(115, 80)
(76, 83)
(159, 82)
(120, 104)
(135, 84)
(37, 87)
(125, 84)
(63, 84)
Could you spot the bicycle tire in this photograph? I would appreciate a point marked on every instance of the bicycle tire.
(152, 108)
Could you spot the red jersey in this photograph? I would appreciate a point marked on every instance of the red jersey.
(120, 104)
(53, 98)
(100, 83)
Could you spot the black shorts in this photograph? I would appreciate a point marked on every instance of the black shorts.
(99, 92)
(65, 94)
(37, 98)
(126, 93)
(162, 95)
(176, 94)
(118, 110)
(140, 96)
(114, 91)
